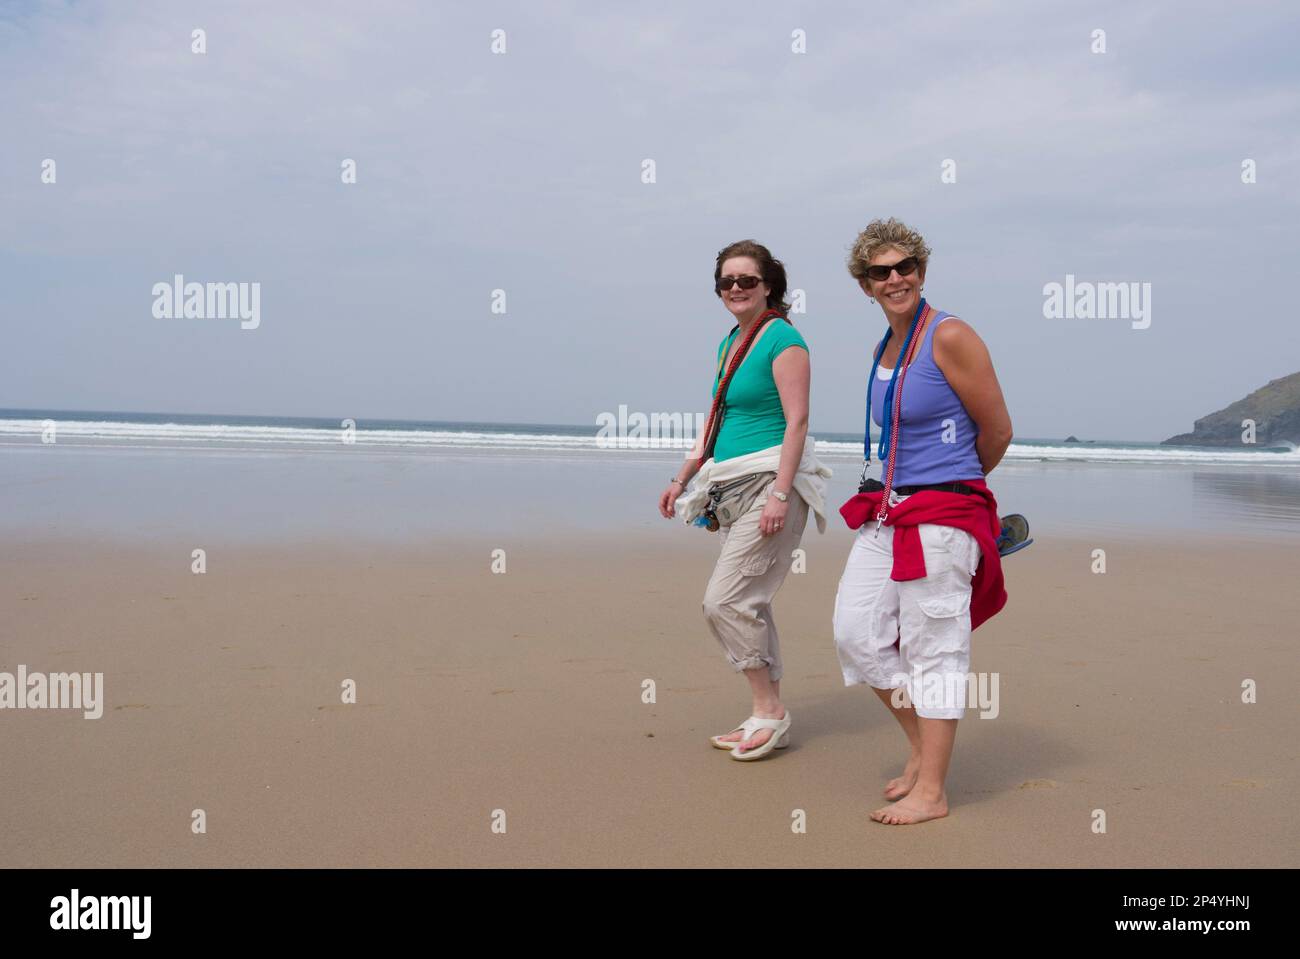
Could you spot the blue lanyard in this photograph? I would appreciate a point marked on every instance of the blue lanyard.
(886, 415)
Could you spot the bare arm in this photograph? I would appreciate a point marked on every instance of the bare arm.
(792, 374)
(688, 469)
(678, 486)
(964, 361)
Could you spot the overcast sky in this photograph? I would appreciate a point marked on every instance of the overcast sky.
(522, 172)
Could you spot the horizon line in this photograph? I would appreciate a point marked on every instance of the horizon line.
(398, 419)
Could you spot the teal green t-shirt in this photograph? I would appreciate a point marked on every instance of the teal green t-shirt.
(754, 419)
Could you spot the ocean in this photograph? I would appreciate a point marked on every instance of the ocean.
(253, 433)
(77, 473)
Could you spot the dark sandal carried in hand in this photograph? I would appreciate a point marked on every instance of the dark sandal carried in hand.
(1015, 534)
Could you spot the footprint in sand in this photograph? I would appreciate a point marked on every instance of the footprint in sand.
(1038, 784)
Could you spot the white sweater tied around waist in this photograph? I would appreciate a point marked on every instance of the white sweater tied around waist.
(809, 480)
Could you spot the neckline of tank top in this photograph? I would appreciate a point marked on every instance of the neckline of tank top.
(883, 373)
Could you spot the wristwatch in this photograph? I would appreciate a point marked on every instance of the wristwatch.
(783, 497)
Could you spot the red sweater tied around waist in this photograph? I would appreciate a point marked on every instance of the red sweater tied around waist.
(977, 515)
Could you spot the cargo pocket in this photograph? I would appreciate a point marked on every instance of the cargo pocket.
(946, 605)
(947, 626)
(758, 565)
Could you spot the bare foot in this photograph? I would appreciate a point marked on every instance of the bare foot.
(911, 810)
(900, 787)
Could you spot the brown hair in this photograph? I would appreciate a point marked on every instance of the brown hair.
(769, 267)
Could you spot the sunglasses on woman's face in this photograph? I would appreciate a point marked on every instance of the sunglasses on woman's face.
(745, 282)
(904, 267)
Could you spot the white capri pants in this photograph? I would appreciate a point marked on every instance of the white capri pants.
(916, 633)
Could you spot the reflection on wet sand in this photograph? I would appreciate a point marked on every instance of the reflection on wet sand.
(1265, 497)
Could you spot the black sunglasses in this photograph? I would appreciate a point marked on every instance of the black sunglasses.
(904, 267)
(745, 282)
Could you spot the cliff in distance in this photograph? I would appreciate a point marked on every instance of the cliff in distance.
(1275, 408)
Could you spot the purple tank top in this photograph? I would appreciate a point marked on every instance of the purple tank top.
(936, 436)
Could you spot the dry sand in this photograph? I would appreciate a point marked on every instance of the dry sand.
(522, 692)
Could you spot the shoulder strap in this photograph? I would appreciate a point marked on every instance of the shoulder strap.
(722, 351)
(714, 426)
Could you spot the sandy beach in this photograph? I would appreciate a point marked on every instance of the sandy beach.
(522, 691)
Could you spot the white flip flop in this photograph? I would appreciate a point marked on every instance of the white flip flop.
(779, 739)
(748, 727)
(719, 743)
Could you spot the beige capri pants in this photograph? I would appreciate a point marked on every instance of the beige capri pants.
(913, 634)
(750, 569)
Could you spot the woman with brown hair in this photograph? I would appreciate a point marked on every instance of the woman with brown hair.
(755, 480)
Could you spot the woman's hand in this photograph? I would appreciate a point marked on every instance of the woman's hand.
(773, 518)
(668, 499)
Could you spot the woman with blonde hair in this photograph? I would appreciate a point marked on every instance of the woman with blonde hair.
(924, 569)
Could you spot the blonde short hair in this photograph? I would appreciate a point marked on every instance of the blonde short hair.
(880, 235)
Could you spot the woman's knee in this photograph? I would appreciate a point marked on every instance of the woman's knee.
(715, 610)
(724, 606)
